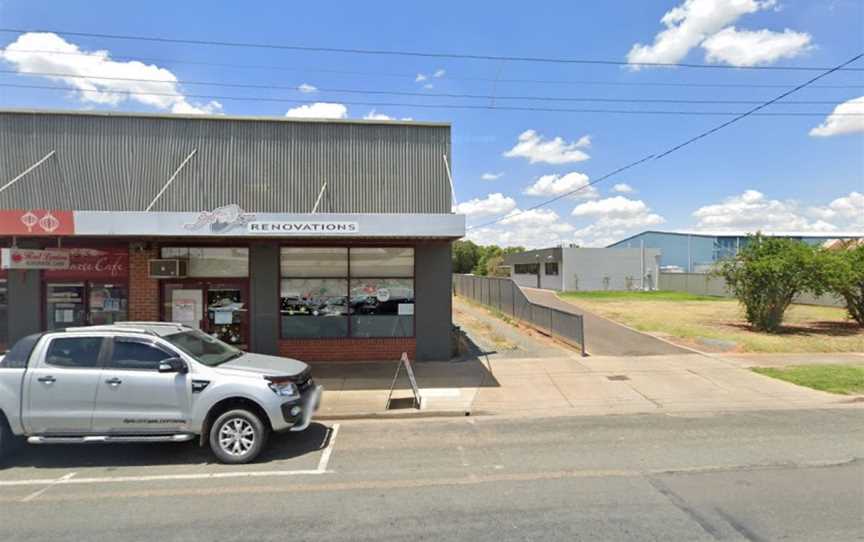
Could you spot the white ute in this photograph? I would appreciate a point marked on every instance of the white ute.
(150, 382)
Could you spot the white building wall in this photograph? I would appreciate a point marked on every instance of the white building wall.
(590, 269)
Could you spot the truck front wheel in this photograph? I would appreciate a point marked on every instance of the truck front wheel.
(237, 436)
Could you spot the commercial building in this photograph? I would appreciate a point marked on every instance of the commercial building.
(316, 239)
(697, 252)
(585, 269)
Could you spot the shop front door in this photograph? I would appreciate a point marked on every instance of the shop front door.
(218, 307)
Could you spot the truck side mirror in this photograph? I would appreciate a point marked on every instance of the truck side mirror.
(173, 365)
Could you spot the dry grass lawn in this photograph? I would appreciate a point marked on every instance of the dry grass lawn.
(718, 324)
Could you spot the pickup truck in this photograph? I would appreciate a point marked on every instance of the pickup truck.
(150, 382)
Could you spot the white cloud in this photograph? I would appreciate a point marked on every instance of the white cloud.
(556, 185)
(530, 229)
(428, 86)
(846, 211)
(493, 204)
(440, 72)
(491, 176)
(318, 110)
(420, 78)
(842, 120)
(131, 80)
(534, 148)
(751, 48)
(623, 188)
(689, 24)
(615, 217)
(375, 115)
(306, 88)
(751, 211)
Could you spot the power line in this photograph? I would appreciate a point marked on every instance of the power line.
(663, 154)
(410, 93)
(407, 53)
(427, 105)
(450, 77)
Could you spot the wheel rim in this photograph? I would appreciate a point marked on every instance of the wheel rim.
(236, 436)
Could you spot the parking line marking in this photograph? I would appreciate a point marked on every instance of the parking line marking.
(63, 479)
(328, 451)
(158, 478)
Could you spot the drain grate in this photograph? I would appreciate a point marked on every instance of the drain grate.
(618, 377)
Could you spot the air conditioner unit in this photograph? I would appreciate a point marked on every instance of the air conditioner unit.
(167, 269)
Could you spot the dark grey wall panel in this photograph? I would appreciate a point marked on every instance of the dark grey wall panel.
(120, 162)
(25, 305)
(264, 297)
(433, 268)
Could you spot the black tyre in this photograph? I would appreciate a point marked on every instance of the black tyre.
(237, 436)
(8, 441)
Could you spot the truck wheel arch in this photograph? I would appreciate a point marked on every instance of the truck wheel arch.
(227, 404)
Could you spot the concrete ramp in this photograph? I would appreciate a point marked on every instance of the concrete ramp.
(604, 337)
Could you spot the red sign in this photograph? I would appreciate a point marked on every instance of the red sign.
(110, 263)
(40, 222)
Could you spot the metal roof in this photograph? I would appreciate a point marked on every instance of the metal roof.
(120, 162)
(742, 233)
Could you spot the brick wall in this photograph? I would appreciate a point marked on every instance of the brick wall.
(348, 349)
(143, 291)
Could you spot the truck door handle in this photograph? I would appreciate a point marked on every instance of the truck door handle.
(47, 379)
(114, 381)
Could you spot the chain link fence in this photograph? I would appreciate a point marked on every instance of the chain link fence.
(505, 295)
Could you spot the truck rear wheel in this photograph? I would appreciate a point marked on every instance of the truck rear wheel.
(237, 436)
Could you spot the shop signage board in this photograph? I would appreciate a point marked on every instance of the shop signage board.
(303, 228)
(412, 379)
(22, 258)
(42, 222)
(108, 263)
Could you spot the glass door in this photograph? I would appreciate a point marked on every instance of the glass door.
(227, 313)
(108, 303)
(65, 305)
(220, 308)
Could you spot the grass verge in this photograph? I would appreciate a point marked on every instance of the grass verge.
(717, 324)
(842, 379)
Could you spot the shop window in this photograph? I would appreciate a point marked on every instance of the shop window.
(4, 315)
(550, 268)
(212, 261)
(382, 307)
(321, 298)
(382, 262)
(314, 307)
(108, 303)
(314, 262)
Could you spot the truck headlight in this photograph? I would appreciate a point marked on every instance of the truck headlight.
(285, 389)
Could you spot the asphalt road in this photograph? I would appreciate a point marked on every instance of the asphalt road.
(604, 337)
(791, 475)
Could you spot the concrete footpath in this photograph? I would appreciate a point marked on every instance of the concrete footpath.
(538, 377)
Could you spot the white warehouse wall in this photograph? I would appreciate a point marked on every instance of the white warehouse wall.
(588, 269)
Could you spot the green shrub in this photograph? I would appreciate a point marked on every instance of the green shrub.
(843, 275)
(767, 274)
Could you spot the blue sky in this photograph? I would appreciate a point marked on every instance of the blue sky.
(773, 173)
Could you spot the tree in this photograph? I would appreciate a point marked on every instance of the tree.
(843, 273)
(766, 276)
(465, 256)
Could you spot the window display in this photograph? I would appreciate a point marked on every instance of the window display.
(382, 308)
(108, 303)
(321, 298)
(314, 307)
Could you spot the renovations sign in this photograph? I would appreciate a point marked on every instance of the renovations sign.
(304, 228)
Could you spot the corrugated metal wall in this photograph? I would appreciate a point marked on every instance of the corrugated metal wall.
(121, 162)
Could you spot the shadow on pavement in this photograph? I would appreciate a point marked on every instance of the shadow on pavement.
(279, 447)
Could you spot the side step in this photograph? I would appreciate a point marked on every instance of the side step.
(97, 439)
